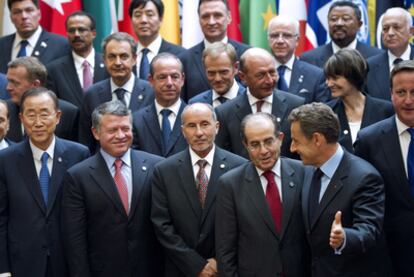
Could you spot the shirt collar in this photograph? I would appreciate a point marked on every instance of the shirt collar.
(174, 107)
(225, 40)
(37, 152)
(275, 169)
(401, 127)
(78, 60)
(109, 160)
(289, 63)
(330, 166)
(352, 45)
(405, 56)
(253, 100)
(232, 93)
(128, 86)
(32, 40)
(209, 158)
(153, 47)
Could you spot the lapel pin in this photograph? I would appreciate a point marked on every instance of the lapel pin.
(140, 97)
(278, 119)
(291, 184)
(346, 132)
(43, 44)
(222, 166)
(59, 159)
(300, 79)
(144, 168)
(101, 65)
(36, 53)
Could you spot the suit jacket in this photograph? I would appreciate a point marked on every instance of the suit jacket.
(101, 240)
(379, 144)
(357, 190)
(308, 81)
(320, 55)
(246, 241)
(142, 96)
(148, 134)
(3, 84)
(48, 47)
(378, 78)
(195, 76)
(184, 229)
(67, 86)
(67, 127)
(231, 113)
(30, 233)
(374, 111)
(207, 96)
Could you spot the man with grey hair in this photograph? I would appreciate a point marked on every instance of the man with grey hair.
(342, 198)
(295, 76)
(107, 201)
(397, 29)
(221, 67)
(119, 53)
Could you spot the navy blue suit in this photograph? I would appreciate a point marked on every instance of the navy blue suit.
(3, 84)
(195, 75)
(171, 48)
(231, 113)
(30, 231)
(374, 111)
(207, 96)
(48, 47)
(142, 96)
(63, 80)
(148, 134)
(320, 55)
(379, 144)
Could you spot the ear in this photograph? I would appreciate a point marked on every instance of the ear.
(95, 133)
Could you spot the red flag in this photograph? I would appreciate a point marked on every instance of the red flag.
(124, 20)
(233, 30)
(54, 13)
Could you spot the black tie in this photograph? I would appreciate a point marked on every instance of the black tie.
(222, 99)
(397, 61)
(120, 93)
(314, 192)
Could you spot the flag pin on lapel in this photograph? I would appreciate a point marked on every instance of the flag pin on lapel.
(59, 159)
(36, 53)
(222, 166)
(140, 97)
(43, 44)
(300, 79)
(291, 184)
(144, 168)
(101, 65)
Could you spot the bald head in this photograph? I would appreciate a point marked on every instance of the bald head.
(396, 30)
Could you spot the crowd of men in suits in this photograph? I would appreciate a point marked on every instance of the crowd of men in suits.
(219, 160)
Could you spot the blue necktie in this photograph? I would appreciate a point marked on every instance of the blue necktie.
(410, 161)
(144, 66)
(22, 51)
(281, 83)
(44, 176)
(166, 128)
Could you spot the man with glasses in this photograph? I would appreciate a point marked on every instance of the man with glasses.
(295, 76)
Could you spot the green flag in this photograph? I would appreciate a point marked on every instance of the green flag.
(256, 17)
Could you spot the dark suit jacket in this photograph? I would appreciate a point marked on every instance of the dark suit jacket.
(67, 127)
(3, 84)
(30, 232)
(148, 134)
(184, 229)
(357, 190)
(101, 240)
(374, 111)
(320, 55)
(207, 96)
(246, 241)
(48, 47)
(378, 78)
(195, 76)
(231, 113)
(63, 80)
(308, 81)
(379, 144)
(142, 96)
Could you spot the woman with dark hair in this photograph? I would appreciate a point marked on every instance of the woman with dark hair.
(345, 73)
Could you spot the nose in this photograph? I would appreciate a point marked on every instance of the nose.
(211, 20)
(120, 134)
(199, 131)
(118, 60)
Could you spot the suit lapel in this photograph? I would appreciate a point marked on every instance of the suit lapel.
(105, 92)
(289, 191)
(295, 77)
(198, 53)
(279, 106)
(138, 96)
(151, 120)
(7, 51)
(176, 131)
(41, 45)
(208, 97)
(99, 72)
(382, 71)
(72, 78)
(139, 175)
(242, 107)
(305, 196)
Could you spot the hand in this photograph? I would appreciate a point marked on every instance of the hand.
(210, 269)
(337, 235)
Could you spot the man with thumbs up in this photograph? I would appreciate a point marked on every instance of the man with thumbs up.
(342, 198)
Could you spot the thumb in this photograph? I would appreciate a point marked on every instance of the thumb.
(338, 220)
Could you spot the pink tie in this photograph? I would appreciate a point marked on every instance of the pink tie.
(87, 75)
(121, 184)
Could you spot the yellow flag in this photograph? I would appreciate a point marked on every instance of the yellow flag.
(170, 28)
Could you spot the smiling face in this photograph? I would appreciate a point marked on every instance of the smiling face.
(340, 87)
(343, 25)
(220, 72)
(214, 19)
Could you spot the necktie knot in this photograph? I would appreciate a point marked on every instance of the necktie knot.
(318, 174)
(166, 112)
(397, 61)
(120, 93)
(269, 175)
(145, 51)
(222, 99)
(24, 43)
(281, 83)
(202, 163)
(118, 164)
(411, 132)
(44, 158)
(281, 70)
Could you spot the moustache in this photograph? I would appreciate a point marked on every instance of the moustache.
(77, 40)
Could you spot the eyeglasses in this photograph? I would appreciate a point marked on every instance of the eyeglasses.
(257, 145)
(284, 36)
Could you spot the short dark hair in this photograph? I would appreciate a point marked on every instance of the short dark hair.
(344, 3)
(4, 103)
(265, 116)
(204, 1)
(350, 64)
(35, 69)
(111, 107)
(11, 2)
(316, 118)
(120, 36)
(215, 49)
(165, 55)
(82, 13)
(38, 91)
(141, 3)
(404, 66)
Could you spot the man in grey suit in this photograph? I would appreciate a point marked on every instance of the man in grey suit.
(184, 193)
(259, 227)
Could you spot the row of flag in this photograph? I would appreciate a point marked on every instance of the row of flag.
(249, 19)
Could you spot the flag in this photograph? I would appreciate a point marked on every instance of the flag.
(409, 5)
(192, 33)
(170, 27)
(256, 17)
(316, 30)
(54, 13)
(233, 30)
(8, 27)
(124, 20)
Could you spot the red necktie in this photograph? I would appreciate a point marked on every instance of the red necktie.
(259, 105)
(87, 75)
(273, 200)
(121, 184)
(202, 181)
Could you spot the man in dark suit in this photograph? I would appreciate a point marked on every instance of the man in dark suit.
(119, 51)
(23, 74)
(214, 17)
(31, 174)
(146, 17)
(396, 35)
(388, 146)
(3, 85)
(342, 198)
(344, 21)
(221, 65)
(259, 227)
(183, 196)
(30, 39)
(107, 201)
(258, 72)
(71, 75)
(4, 125)
(157, 128)
(295, 76)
